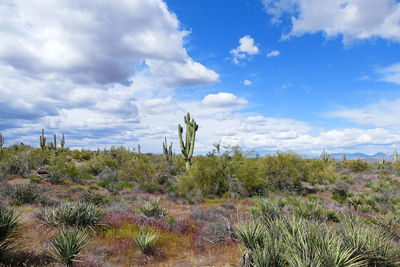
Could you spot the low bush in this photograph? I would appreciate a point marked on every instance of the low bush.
(93, 197)
(341, 191)
(357, 165)
(28, 194)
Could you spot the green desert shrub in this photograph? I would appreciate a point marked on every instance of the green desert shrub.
(67, 245)
(341, 191)
(318, 172)
(284, 171)
(207, 176)
(10, 228)
(16, 164)
(73, 214)
(28, 193)
(151, 208)
(146, 240)
(357, 165)
(92, 197)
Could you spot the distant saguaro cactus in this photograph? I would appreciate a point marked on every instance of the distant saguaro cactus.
(325, 157)
(62, 141)
(344, 158)
(167, 151)
(139, 148)
(395, 156)
(42, 140)
(53, 145)
(1, 141)
(188, 147)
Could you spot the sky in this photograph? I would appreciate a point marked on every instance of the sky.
(267, 75)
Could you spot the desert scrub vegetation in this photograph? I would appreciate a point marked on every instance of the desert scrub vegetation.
(224, 207)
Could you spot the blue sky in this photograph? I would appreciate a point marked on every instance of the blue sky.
(267, 75)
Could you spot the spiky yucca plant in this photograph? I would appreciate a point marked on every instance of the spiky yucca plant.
(146, 240)
(152, 208)
(294, 242)
(369, 242)
(266, 209)
(10, 228)
(67, 245)
(74, 214)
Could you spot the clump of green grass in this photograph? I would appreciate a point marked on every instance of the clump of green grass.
(67, 245)
(73, 214)
(152, 208)
(146, 240)
(10, 228)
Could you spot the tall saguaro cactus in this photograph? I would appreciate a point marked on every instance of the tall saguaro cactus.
(395, 156)
(188, 147)
(167, 151)
(42, 140)
(62, 142)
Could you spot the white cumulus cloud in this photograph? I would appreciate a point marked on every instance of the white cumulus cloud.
(390, 74)
(273, 53)
(246, 48)
(351, 19)
(247, 82)
(223, 100)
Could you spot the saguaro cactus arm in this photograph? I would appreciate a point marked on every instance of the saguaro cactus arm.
(183, 147)
(53, 145)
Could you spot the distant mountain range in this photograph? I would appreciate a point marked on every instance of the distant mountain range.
(363, 156)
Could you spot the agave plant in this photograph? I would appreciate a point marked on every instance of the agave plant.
(145, 241)
(152, 208)
(10, 228)
(67, 246)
